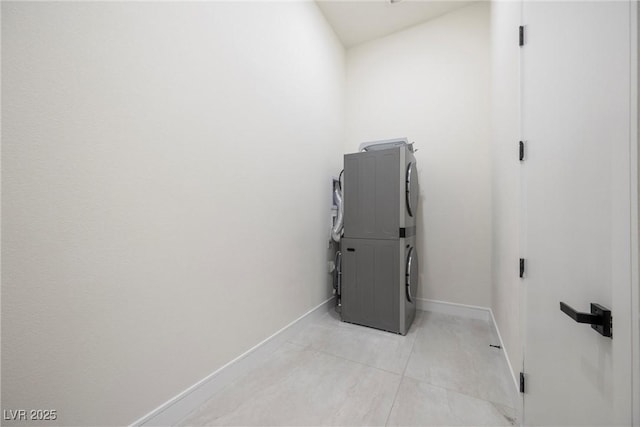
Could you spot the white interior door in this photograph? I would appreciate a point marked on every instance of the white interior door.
(576, 123)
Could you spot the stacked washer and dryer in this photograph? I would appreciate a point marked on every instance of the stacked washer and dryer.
(379, 266)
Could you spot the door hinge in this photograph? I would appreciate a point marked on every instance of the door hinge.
(521, 35)
(521, 268)
(521, 382)
(521, 150)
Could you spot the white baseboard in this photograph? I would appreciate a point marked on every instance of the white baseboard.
(472, 312)
(516, 382)
(455, 309)
(178, 407)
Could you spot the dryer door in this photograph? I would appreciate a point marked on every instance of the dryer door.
(411, 274)
(411, 188)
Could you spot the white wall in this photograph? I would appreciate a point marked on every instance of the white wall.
(431, 83)
(506, 179)
(165, 175)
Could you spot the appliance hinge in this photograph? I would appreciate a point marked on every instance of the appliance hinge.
(521, 150)
(521, 268)
(521, 35)
(521, 382)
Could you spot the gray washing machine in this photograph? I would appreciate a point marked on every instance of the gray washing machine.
(379, 255)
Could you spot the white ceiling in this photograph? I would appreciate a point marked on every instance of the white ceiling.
(358, 21)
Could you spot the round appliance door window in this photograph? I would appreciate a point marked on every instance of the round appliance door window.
(412, 189)
(411, 274)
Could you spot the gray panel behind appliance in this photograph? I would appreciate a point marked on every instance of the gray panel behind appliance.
(370, 270)
(371, 194)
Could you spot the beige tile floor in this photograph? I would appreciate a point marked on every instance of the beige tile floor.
(332, 373)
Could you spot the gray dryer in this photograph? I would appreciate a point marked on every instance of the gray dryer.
(380, 260)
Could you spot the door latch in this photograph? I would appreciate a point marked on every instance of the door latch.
(600, 318)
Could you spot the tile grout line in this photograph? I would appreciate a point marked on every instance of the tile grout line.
(235, 381)
(395, 397)
(346, 326)
(401, 374)
(491, 402)
(372, 332)
(326, 353)
(458, 392)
